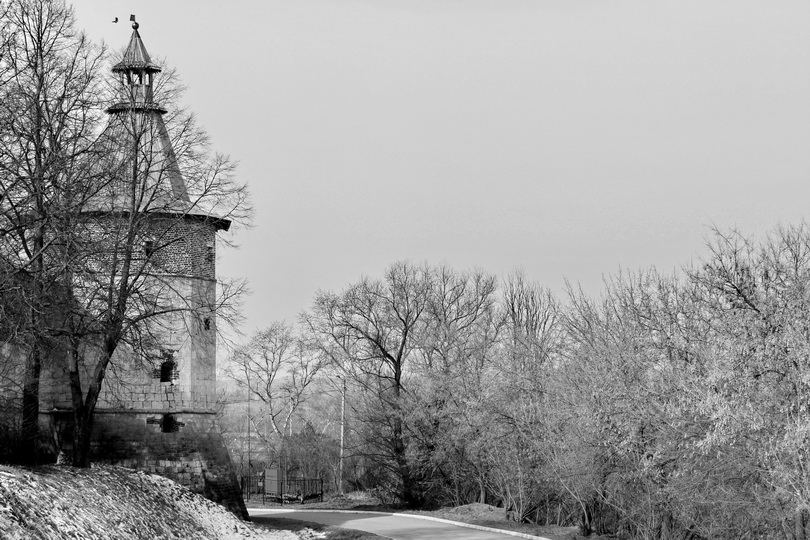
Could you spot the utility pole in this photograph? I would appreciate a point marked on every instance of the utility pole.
(342, 429)
(250, 466)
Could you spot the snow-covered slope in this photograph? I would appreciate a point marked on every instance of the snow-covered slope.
(111, 502)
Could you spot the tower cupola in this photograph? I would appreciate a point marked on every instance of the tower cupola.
(137, 122)
(139, 144)
(136, 73)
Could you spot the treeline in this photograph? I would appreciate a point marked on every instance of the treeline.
(670, 406)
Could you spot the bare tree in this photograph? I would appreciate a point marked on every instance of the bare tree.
(101, 224)
(374, 323)
(450, 382)
(754, 300)
(50, 108)
(277, 370)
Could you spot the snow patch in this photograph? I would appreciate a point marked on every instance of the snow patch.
(54, 503)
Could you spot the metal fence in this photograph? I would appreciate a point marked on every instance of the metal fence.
(289, 491)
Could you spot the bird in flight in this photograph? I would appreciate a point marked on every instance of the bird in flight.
(116, 19)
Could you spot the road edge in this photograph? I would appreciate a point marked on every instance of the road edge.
(402, 514)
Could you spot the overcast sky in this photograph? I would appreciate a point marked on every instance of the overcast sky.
(569, 138)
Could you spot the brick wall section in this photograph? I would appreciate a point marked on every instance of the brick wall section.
(165, 244)
(182, 247)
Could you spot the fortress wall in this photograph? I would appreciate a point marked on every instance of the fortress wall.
(149, 418)
(135, 382)
(192, 454)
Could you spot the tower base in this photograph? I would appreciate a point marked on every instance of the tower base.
(184, 446)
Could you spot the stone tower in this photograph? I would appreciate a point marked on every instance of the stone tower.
(157, 408)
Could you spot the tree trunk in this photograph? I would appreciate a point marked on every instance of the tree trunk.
(410, 492)
(799, 525)
(667, 526)
(82, 431)
(29, 454)
(83, 427)
(33, 363)
(399, 457)
(84, 406)
(586, 521)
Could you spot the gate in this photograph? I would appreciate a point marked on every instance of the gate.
(270, 488)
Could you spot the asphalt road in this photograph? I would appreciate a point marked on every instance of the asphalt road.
(396, 527)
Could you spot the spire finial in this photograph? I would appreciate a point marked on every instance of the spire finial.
(135, 25)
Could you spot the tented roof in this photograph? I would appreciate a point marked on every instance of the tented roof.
(136, 56)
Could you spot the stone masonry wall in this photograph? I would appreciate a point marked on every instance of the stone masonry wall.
(192, 453)
(155, 411)
(138, 383)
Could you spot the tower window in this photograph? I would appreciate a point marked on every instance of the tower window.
(170, 424)
(207, 323)
(209, 252)
(168, 371)
(148, 248)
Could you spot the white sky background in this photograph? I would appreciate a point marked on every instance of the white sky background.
(569, 138)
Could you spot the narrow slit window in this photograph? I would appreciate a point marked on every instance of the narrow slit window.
(168, 371)
(170, 424)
